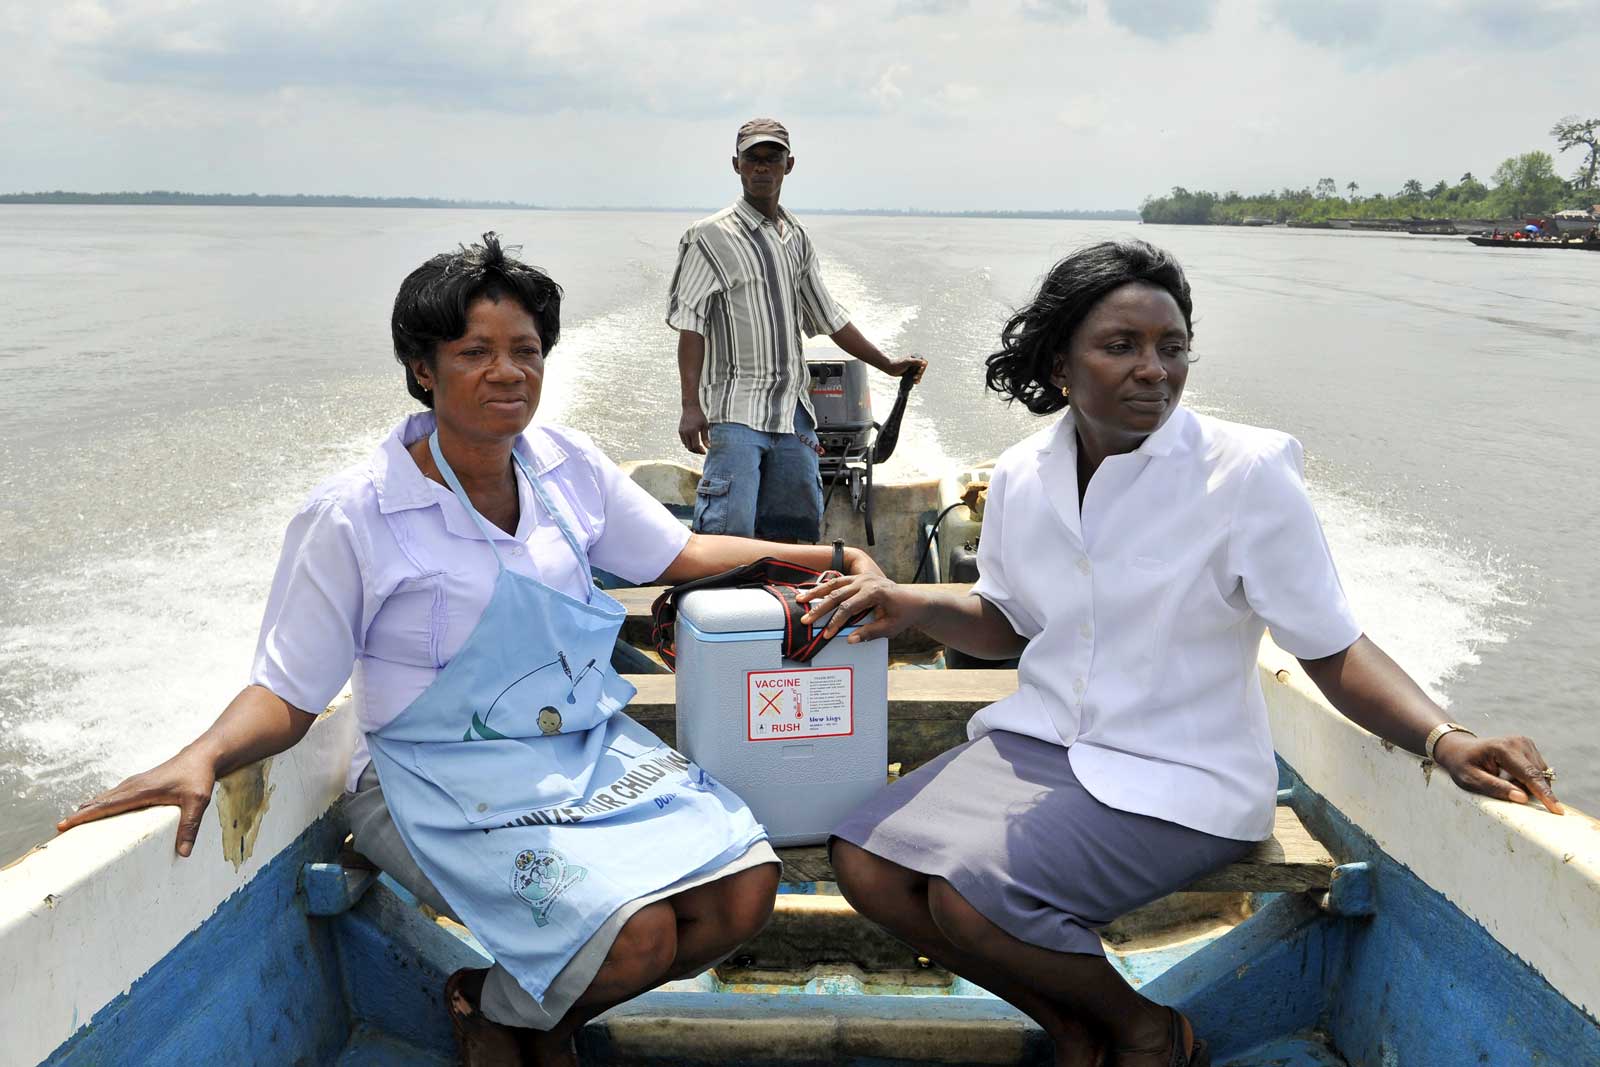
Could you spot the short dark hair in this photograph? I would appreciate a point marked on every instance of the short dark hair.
(1041, 329)
(433, 301)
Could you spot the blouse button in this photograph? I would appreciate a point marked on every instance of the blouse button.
(1085, 630)
(1077, 685)
(1083, 565)
(483, 807)
(516, 550)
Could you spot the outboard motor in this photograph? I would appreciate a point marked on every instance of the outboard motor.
(852, 443)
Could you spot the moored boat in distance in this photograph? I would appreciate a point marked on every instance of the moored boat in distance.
(1429, 227)
(1334, 944)
(1575, 221)
(1591, 244)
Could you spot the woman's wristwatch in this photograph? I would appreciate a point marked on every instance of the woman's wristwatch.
(1439, 731)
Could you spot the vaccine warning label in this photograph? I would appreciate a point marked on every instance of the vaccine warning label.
(805, 702)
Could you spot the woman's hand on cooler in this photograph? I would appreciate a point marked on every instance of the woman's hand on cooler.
(1506, 768)
(857, 561)
(956, 619)
(184, 781)
(893, 605)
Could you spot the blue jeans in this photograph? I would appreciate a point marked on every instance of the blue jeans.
(760, 484)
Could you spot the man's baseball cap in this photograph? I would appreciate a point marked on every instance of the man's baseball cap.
(757, 131)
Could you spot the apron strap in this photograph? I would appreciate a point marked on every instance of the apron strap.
(549, 505)
(461, 494)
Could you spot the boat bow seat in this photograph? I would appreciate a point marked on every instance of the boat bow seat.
(1290, 861)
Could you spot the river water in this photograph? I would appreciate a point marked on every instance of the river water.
(175, 380)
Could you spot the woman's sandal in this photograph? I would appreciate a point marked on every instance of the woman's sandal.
(480, 1041)
(1199, 1054)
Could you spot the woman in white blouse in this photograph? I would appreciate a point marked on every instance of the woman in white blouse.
(451, 573)
(1133, 553)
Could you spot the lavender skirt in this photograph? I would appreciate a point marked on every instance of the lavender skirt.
(1005, 821)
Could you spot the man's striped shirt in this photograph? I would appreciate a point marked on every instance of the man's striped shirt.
(750, 286)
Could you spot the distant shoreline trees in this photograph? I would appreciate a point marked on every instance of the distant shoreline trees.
(168, 198)
(1522, 185)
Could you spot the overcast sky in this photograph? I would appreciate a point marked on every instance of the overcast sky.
(939, 104)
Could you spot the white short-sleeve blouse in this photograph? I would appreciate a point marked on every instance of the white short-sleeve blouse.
(384, 574)
(1145, 611)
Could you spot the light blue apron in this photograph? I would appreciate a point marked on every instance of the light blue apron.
(525, 797)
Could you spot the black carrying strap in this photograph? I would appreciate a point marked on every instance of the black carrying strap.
(782, 579)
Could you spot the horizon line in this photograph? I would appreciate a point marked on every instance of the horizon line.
(171, 197)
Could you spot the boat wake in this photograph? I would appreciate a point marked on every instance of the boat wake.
(1430, 600)
(921, 453)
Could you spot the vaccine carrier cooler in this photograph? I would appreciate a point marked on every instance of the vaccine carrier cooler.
(803, 743)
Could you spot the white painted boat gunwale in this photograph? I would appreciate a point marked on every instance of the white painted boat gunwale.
(82, 918)
(1528, 877)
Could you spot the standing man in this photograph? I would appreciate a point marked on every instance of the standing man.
(747, 284)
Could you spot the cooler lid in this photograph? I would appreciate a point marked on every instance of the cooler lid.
(752, 612)
(731, 611)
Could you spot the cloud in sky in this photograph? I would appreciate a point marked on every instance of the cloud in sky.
(1162, 19)
(930, 103)
(928, 7)
(1335, 23)
(1054, 10)
(1425, 26)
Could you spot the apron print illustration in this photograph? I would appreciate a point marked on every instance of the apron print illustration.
(540, 877)
(549, 719)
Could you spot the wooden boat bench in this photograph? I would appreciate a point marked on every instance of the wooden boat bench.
(1290, 861)
(928, 713)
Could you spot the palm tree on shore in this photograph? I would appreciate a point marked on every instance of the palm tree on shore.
(1573, 132)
